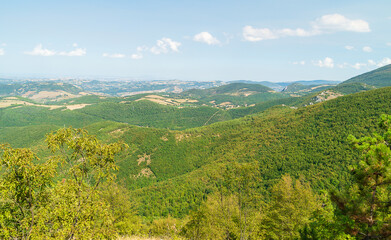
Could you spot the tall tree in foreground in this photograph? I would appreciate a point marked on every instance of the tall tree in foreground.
(365, 207)
(233, 210)
(290, 209)
(34, 206)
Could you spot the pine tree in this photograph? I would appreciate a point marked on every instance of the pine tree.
(365, 208)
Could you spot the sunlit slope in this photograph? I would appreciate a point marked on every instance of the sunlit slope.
(167, 168)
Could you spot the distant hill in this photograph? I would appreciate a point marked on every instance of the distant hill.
(279, 86)
(380, 77)
(233, 95)
(40, 91)
(352, 87)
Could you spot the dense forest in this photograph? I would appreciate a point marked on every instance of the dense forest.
(287, 167)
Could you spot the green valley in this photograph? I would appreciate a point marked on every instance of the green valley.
(185, 158)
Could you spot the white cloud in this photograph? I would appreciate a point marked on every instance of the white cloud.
(136, 56)
(39, 51)
(338, 22)
(2, 52)
(359, 65)
(74, 45)
(3, 44)
(299, 63)
(367, 49)
(369, 63)
(165, 45)
(114, 55)
(206, 37)
(326, 24)
(78, 52)
(142, 48)
(327, 62)
(258, 34)
(384, 62)
(388, 44)
(343, 65)
(349, 48)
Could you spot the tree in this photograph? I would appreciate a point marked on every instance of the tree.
(364, 208)
(24, 190)
(233, 210)
(290, 208)
(37, 205)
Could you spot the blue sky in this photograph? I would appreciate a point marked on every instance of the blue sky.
(194, 40)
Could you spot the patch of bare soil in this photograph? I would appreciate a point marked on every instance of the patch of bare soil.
(145, 172)
(144, 158)
(76, 106)
(179, 137)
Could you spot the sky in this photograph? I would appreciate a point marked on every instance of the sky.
(263, 40)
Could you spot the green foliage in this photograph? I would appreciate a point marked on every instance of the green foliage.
(125, 220)
(301, 89)
(33, 115)
(260, 107)
(23, 191)
(367, 202)
(235, 93)
(353, 87)
(149, 114)
(232, 212)
(34, 206)
(324, 224)
(289, 210)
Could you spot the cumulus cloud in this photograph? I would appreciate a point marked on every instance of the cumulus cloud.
(349, 47)
(40, 51)
(258, 34)
(369, 63)
(359, 65)
(326, 24)
(78, 52)
(367, 49)
(384, 61)
(206, 37)
(136, 56)
(2, 52)
(327, 62)
(165, 45)
(299, 63)
(338, 22)
(343, 65)
(114, 55)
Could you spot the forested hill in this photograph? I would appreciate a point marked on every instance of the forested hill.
(380, 77)
(233, 94)
(172, 169)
